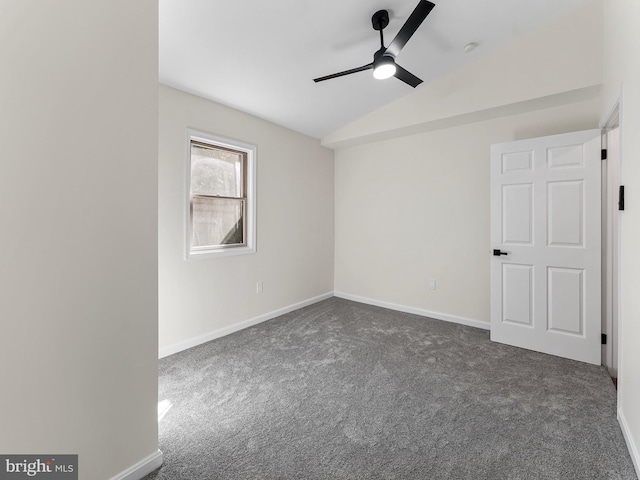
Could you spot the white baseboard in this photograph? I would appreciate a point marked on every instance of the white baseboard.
(470, 322)
(207, 337)
(221, 332)
(142, 468)
(631, 445)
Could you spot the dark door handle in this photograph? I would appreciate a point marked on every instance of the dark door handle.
(497, 253)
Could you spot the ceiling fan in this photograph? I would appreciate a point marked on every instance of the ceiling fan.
(384, 60)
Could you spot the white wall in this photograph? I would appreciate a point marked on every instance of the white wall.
(622, 80)
(78, 256)
(417, 208)
(412, 179)
(295, 228)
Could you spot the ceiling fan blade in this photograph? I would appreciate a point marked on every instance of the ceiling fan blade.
(407, 77)
(410, 26)
(346, 72)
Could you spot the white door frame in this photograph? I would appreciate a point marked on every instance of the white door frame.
(612, 251)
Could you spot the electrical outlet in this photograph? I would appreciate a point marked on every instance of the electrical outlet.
(432, 284)
(259, 287)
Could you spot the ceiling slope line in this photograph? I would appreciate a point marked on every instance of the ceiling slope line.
(555, 100)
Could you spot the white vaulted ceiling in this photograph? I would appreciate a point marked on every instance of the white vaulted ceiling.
(260, 56)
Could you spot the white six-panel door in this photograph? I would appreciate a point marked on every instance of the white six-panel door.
(545, 229)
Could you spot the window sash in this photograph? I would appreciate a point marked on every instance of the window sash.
(242, 174)
(226, 228)
(224, 186)
(218, 221)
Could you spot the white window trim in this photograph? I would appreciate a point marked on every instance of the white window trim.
(251, 151)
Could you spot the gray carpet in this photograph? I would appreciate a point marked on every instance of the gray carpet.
(342, 390)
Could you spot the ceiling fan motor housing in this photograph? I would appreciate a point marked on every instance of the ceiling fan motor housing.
(381, 53)
(380, 19)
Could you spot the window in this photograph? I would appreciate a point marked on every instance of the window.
(221, 216)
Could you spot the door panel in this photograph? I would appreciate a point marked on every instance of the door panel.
(517, 217)
(516, 161)
(545, 214)
(517, 284)
(566, 214)
(566, 298)
(565, 156)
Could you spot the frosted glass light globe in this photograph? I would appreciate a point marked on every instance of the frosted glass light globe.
(384, 70)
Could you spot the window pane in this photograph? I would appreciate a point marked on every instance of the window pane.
(216, 171)
(216, 221)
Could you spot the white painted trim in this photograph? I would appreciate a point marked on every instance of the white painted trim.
(221, 332)
(251, 175)
(631, 445)
(608, 122)
(470, 322)
(142, 468)
(611, 117)
(207, 337)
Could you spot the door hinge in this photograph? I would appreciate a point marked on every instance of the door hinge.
(604, 339)
(621, 198)
(603, 154)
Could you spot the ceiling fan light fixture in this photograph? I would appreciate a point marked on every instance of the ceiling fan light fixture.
(385, 67)
(384, 60)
